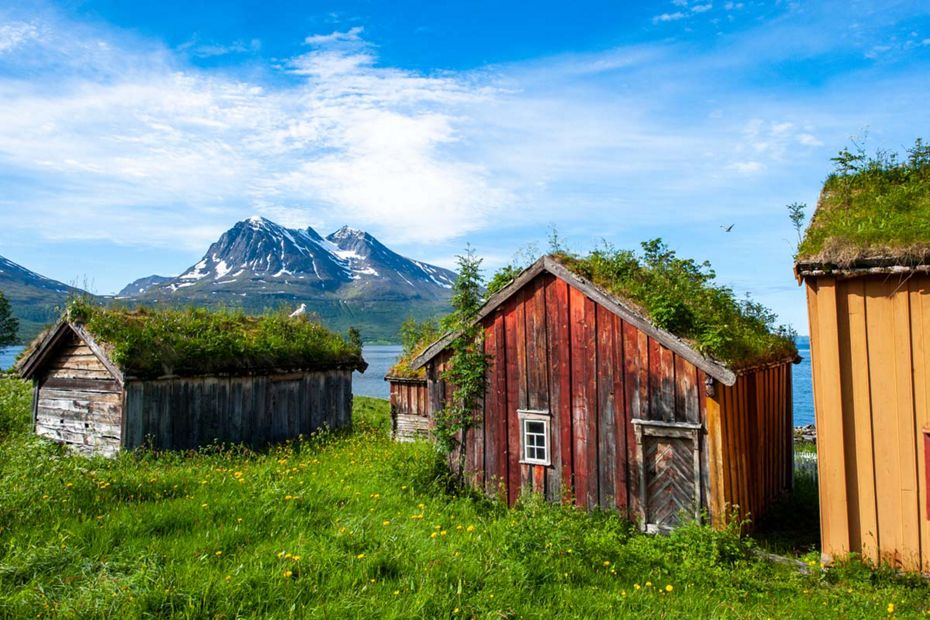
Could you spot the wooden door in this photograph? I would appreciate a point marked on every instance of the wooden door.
(670, 472)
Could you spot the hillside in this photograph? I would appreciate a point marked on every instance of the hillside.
(35, 299)
(348, 278)
(355, 525)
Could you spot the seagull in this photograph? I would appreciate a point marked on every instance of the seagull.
(727, 228)
(299, 311)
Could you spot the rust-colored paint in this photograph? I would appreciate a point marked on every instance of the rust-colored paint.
(554, 349)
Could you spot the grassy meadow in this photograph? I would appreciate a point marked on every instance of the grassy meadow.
(353, 525)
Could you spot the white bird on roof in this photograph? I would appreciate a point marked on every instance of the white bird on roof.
(302, 310)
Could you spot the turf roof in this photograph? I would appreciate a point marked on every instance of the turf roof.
(681, 296)
(149, 343)
(872, 211)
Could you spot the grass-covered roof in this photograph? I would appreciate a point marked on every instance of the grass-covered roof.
(149, 343)
(872, 210)
(680, 296)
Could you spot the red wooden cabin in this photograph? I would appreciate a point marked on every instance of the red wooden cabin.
(587, 400)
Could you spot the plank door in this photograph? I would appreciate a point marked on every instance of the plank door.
(670, 472)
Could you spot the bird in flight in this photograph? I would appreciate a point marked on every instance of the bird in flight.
(727, 228)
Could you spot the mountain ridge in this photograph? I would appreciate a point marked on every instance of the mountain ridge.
(346, 278)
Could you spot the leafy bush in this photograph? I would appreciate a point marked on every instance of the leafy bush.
(872, 206)
(150, 343)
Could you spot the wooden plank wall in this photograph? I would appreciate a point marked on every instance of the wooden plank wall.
(554, 349)
(871, 360)
(78, 401)
(409, 409)
(749, 426)
(185, 413)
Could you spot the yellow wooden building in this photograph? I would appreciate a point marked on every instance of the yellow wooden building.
(868, 299)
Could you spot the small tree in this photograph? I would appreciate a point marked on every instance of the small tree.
(467, 367)
(796, 215)
(8, 323)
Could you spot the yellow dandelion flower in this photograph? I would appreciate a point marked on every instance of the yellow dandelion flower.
(360, 556)
(281, 554)
(891, 608)
(606, 562)
(456, 610)
(470, 528)
(228, 577)
(396, 592)
(434, 535)
(648, 584)
(636, 586)
(442, 533)
(385, 522)
(218, 553)
(288, 573)
(296, 558)
(669, 588)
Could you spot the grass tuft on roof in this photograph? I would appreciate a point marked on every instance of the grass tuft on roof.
(149, 343)
(679, 295)
(872, 208)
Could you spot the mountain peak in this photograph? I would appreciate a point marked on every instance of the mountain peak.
(347, 232)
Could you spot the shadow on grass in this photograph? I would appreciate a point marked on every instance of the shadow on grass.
(792, 525)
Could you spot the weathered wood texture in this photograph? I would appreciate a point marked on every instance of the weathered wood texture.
(749, 427)
(409, 409)
(78, 402)
(554, 349)
(871, 365)
(188, 412)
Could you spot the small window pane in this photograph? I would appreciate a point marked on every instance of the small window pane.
(535, 433)
(535, 426)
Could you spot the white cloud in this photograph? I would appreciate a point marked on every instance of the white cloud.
(353, 34)
(702, 8)
(668, 17)
(14, 34)
(746, 167)
(130, 155)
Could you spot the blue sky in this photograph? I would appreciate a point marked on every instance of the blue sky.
(132, 134)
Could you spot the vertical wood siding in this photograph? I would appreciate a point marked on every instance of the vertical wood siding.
(184, 413)
(871, 361)
(749, 428)
(409, 409)
(554, 349)
(78, 402)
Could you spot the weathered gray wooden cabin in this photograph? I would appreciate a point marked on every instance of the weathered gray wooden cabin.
(83, 399)
(409, 408)
(587, 400)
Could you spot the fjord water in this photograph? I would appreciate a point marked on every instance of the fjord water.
(382, 357)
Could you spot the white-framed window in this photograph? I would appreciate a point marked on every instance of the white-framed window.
(534, 437)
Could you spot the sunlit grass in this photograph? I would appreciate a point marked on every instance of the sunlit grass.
(354, 525)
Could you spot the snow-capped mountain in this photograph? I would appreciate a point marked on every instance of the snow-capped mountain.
(260, 257)
(141, 285)
(373, 266)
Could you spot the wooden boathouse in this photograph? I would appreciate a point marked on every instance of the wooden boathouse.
(90, 395)
(588, 401)
(868, 300)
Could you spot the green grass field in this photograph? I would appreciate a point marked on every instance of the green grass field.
(354, 525)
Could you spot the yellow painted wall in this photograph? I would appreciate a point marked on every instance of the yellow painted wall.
(870, 360)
